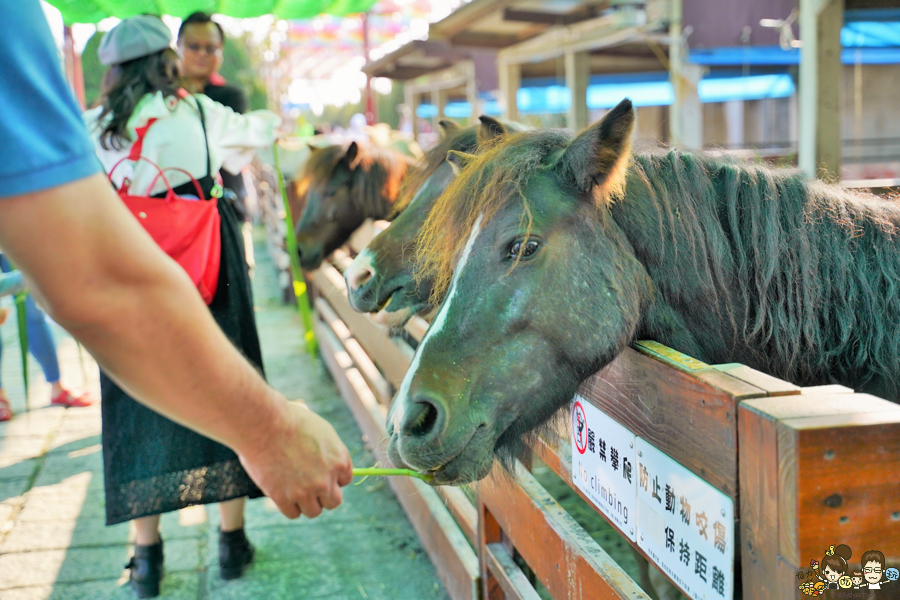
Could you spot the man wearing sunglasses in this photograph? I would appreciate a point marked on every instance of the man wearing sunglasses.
(201, 40)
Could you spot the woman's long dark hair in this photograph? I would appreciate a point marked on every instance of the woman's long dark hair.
(124, 85)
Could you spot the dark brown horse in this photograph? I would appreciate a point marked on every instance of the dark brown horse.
(553, 253)
(380, 279)
(343, 186)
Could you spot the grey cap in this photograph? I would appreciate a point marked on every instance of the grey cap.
(133, 38)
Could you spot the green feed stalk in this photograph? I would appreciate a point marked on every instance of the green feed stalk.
(375, 472)
(296, 272)
(22, 319)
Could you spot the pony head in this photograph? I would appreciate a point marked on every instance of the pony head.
(380, 280)
(540, 289)
(343, 185)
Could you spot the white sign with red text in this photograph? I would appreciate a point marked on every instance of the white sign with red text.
(603, 465)
(685, 525)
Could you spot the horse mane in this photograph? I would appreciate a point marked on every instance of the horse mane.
(464, 140)
(804, 273)
(376, 176)
(482, 188)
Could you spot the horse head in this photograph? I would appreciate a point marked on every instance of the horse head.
(541, 289)
(344, 184)
(381, 279)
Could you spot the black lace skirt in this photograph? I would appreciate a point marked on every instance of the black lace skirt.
(153, 465)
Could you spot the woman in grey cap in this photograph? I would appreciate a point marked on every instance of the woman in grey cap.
(151, 464)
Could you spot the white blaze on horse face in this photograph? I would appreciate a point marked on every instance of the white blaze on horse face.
(436, 326)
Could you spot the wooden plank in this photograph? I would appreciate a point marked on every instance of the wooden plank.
(509, 576)
(826, 389)
(462, 509)
(561, 554)
(442, 539)
(578, 72)
(510, 80)
(367, 368)
(488, 533)
(670, 356)
(759, 508)
(821, 405)
(685, 417)
(362, 236)
(339, 364)
(788, 519)
(819, 152)
(832, 452)
(772, 385)
(737, 389)
(372, 336)
(340, 260)
(416, 327)
(848, 484)
(450, 553)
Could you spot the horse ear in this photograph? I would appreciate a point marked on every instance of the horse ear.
(458, 160)
(599, 155)
(352, 153)
(490, 128)
(448, 126)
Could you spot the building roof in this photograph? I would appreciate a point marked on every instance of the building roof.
(501, 23)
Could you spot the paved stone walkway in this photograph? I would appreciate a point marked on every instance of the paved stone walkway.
(53, 538)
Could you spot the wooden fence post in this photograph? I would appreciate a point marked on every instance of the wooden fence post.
(817, 471)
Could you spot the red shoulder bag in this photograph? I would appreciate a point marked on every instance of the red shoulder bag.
(187, 230)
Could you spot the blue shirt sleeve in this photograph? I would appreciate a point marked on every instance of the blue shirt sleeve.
(43, 140)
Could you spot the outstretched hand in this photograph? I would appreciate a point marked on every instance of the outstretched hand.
(303, 466)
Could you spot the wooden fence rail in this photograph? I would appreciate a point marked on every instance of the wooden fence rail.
(805, 467)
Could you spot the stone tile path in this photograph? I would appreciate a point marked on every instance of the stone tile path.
(53, 538)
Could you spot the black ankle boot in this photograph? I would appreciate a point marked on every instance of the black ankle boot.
(235, 553)
(146, 569)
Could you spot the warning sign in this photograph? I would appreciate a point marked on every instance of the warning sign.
(603, 464)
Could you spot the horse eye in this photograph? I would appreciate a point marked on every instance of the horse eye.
(516, 249)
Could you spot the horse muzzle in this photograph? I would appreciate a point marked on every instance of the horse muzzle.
(424, 437)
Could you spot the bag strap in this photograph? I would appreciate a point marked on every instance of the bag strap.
(138, 145)
(205, 138)
(171, 194)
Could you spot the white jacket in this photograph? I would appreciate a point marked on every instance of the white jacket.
(176, 139)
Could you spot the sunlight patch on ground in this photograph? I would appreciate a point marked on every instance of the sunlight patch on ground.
(85, 451)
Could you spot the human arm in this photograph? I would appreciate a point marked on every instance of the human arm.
(105, 280)
(237, 136)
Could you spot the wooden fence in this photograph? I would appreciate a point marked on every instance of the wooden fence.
(805, 468)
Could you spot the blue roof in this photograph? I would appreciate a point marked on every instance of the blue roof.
(774, 55)
(556, 98)
(871, 34)
(870, 42)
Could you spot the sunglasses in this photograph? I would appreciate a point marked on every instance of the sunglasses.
(198, 48)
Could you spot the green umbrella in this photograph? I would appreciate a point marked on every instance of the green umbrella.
(91, 11)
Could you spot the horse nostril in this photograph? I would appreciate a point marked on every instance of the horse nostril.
(420, 419)
(358, 277)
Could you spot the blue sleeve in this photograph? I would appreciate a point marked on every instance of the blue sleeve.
(43, 140)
